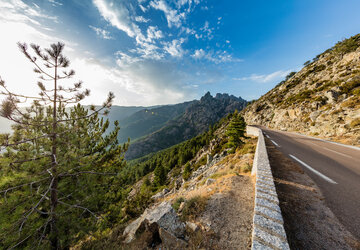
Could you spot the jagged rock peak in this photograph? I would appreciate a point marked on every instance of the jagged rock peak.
(206, 97)
(219, 96)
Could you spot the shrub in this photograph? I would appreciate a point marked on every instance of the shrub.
(200, 162)
(187, 171)
(347, 45)
(307, 63)
(300, 97)
(193, 207)
(356, 92)
(355, 123)
(177, 203)
(347, 87)
(247, 148)
(246, 168)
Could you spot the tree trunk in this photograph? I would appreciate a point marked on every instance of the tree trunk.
(54, 193)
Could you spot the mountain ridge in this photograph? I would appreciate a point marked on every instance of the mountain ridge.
(196, 119)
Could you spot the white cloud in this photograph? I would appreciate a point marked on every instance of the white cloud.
(117, 16)
(16, 10)
(218, 57)
(280, 74)
(208, 32)
(102, 33)
(142, 8)
(172, 16)
(141, 19)
(174, 48)
(199, 54)
(154, 33)
(134, 80)
(55, 3)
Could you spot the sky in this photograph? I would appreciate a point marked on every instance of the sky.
(151, 52)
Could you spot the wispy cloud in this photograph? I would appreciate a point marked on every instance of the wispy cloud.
(101, 32)
(174, 48)
(173, 17)
(117, 17)
(141, 19)
(55, 3)
(280, 74)
(216, 57)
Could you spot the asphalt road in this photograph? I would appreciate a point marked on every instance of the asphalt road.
(334, 168)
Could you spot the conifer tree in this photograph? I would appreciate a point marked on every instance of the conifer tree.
(159, 175)
(55, 163)
(235, 131)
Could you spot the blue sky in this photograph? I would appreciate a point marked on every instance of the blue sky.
(152, 52)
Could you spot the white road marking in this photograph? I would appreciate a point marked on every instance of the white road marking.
(267, 136)
(313, 170)
(332, 150)
(275, 143)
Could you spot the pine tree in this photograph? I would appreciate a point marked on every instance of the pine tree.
(159, 175)
(235, 131)
(55, 163)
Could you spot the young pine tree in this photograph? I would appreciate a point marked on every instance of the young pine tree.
(55, 164)
(235, 131)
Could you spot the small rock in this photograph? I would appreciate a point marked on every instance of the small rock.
(181, 207)
(209, 181)
(314, 115)
(192, 226)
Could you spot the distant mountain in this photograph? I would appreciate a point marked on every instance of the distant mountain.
(197, 118)
(119, 113)
(148, 120)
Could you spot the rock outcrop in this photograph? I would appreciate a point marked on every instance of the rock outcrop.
(160, 224)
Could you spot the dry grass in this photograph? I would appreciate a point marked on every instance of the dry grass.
(355, 123)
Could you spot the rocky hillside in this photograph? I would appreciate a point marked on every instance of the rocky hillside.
(196, 119)
(195, 195)
(322, 99)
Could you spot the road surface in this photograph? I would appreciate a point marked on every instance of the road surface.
(335, 168)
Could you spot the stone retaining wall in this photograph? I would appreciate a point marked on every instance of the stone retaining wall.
(268, 224)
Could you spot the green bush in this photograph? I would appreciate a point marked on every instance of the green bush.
(193, 207)
(187, 171)
(300, 97)
(347, 87)
(347, 45)
(177, 203)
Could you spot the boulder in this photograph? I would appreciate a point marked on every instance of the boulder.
(169, 241)
(163, 216)
(332, 96)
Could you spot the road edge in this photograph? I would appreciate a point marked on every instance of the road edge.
(268, 224)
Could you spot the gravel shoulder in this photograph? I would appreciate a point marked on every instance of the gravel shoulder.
(229, 215)
(309, 223)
